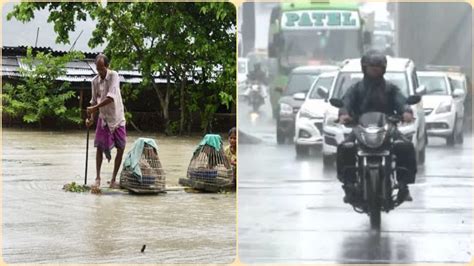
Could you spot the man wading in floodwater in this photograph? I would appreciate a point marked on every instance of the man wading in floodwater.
(110, 130)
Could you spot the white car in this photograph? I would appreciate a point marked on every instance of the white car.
(309, 119)
(401, 72)
(444, 106)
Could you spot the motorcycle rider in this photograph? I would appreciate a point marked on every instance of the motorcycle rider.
(375, 94)
(257, 76)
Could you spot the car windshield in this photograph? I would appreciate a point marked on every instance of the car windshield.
(300, 83)
(325, 82)
(347, 79)
(435, 85)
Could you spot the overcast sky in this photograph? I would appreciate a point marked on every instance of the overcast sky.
(16, 33)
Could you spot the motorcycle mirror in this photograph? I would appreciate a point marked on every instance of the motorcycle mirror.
(300, 96)
(421, 90)
(336, 102)
(413, 99)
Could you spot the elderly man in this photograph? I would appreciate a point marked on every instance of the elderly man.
(110, 131)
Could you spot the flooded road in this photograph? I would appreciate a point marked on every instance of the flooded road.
(291, 210)
(44, 224)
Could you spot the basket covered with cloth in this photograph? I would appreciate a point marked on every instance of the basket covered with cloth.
(142, 171)
(209, 166)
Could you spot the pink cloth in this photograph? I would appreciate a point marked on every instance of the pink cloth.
(105, 140)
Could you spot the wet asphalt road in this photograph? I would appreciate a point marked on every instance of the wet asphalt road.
(291, 211)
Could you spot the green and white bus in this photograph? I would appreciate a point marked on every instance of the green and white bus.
(313, 33)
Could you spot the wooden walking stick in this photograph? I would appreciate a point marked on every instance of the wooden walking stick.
(87, 155)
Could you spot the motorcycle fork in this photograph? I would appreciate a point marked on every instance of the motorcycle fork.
(379, 163)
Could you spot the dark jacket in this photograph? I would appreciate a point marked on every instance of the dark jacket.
(374, 96)
(258, 75)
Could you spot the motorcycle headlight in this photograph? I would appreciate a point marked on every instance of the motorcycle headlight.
(444, 107)
(372, 137)
(285, 109)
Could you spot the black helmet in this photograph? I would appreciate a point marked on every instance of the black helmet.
(373, 58)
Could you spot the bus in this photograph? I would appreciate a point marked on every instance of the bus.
(313, 33)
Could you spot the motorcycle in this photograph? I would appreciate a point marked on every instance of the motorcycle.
(376, 186)
(255, 96)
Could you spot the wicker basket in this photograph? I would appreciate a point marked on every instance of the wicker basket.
(210, 166)
(153, 175)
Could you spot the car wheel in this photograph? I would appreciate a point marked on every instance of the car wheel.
(460, 134)
(302, 151)
(291, 137)
(450, 139)
(426, 138)
(421, 155)
(280, 137)
(328, 160)
(461, 138)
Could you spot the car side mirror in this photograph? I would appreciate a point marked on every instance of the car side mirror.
(421, 90)
(413, 99)
(458, 93)
(336, 102)
(322, 91)
(300, 96)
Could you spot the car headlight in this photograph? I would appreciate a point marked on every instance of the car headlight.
(330, 120)
(285, 109)
(444, 107)
(307, 114)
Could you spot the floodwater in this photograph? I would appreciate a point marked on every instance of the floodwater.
(44, 224)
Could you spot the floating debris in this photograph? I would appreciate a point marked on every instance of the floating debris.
(73, 187)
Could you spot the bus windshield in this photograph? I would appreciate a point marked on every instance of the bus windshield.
(303, 46)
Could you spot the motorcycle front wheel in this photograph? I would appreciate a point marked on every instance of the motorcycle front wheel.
(255, 106)
(374, 198)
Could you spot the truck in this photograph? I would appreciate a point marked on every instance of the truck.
(313, 33)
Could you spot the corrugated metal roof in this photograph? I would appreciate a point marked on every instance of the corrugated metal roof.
(10, 61)
(10, 74)
(78, 71)
(129, 72)
(10, 68)
(78, 64)
(82, 71)
(75, 78)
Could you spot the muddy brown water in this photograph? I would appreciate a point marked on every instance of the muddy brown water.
(44, 224)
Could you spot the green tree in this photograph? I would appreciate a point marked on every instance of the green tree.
(38, 94)
(172, 40)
